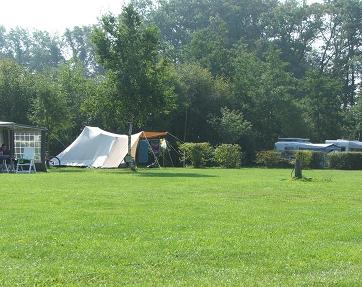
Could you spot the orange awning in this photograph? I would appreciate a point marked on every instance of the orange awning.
(153, 135)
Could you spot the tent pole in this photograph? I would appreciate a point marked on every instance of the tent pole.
(150, 147)
(131, 159)
(170, 157)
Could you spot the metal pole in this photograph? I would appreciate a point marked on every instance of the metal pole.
(131, 159)
(129, 137)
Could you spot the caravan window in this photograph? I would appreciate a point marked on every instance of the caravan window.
(27, 138)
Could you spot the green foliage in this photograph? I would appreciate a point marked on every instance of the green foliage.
(228, 155)
(38, 51)
(199, 94)
(230, 126)
(129, 50)
(319, 160)
(209, 46)
(45, 51)
(78, 40)
(355, 120)
(265, 94)
(311, 159)
(305, 158)
(49, 109)
(198, 154)
(345, 160)
(272, 159)
(57, 104)
(103, 107)
(284, 68)
(322, 113)
(16, 92)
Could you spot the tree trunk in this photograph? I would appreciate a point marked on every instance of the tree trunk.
(298, 169)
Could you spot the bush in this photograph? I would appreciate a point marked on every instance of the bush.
(272, 159)
(198, 154)
(318, 160)
(305, 158)
(228, 155)
(345, 160)
(311, 159)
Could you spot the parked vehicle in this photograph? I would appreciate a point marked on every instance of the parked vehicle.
(346, 145)
(294, 144)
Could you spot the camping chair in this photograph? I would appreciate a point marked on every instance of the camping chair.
(26, 160)
(3, 166)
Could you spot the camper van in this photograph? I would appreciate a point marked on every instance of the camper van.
(346, 145)
(295, 144)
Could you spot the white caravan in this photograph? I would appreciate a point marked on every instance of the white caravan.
(294, 144)
(346, 145)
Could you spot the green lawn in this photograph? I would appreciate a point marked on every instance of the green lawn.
(181, 227)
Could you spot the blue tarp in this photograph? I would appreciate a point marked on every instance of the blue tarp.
(143, 152)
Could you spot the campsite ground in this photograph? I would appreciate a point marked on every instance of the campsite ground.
(181, 227)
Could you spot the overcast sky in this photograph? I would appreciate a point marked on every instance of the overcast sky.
(55, 16)
(52, 15)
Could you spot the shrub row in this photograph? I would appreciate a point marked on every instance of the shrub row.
(204, 155)
(231, 156)
(345, 160)
(272, 159)
(310, 159)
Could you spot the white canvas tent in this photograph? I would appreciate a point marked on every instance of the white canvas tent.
(95, 147)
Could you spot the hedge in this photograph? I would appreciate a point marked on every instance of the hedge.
(272, 159)
(345, 160)
(311, 159)
(198, 154)
(228, 155)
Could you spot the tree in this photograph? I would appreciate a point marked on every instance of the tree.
(78, 40)
(267, 93)
(341, 37)
(353, 121)
(210, 47)
(322, 106)
(44, 51)
(230, 126)
(200, 94)
(293, 27)
(2, 41)
(15, 92)
(104, 107)
(128, 50)
(18, 45)
(49, 109)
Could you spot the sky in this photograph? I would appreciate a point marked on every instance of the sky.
(52, 15)
(55, 16)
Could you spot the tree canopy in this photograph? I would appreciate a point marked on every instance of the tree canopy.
(222, 71)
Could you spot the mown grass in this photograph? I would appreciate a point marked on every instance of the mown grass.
(181, 227)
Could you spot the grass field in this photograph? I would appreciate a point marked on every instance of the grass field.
(181, 227)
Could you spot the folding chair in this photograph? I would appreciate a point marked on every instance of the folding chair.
(27, 160)
(3, 166)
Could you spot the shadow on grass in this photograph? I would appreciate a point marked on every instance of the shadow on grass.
(171, 174)
(121, 171)
(67, 170)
